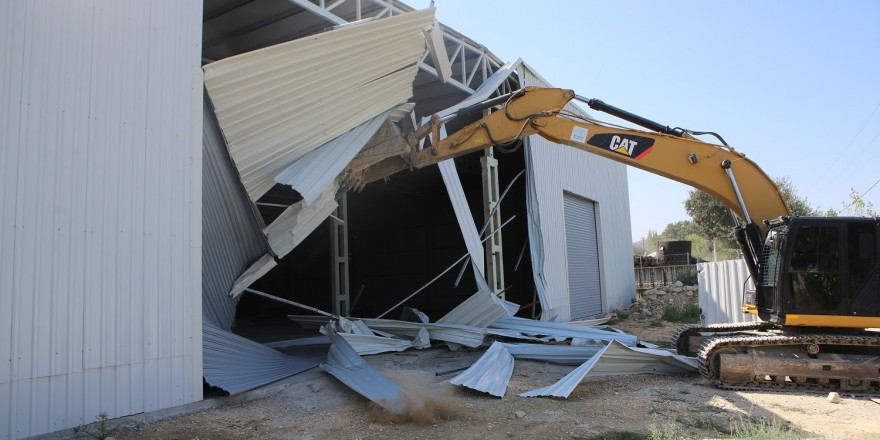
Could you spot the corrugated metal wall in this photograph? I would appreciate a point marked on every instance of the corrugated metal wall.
(100, 213)
(231, 237)
(720, 287)
(558, 169)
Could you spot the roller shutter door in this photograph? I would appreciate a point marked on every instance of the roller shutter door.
(582, 251)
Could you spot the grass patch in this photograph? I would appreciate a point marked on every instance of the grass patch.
(667, 431)
(751, 429)
(690, 314)
(613, 320)
(655, 323)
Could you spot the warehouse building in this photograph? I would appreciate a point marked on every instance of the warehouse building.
(163, 163)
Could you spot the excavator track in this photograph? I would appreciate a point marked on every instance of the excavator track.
(793, 362)
(682, 335)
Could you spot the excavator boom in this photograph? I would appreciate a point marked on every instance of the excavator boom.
(541, 111)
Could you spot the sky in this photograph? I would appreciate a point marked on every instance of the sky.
(794, 85)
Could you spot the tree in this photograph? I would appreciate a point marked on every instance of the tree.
(710, 217)
(648, 244)
(857, 205)
(798, 205)
(679, 231)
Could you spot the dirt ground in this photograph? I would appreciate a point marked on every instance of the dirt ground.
(314, 405)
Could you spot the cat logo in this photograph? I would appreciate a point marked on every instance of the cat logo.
(633, 146)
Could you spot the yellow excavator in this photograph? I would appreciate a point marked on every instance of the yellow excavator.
(817, 278)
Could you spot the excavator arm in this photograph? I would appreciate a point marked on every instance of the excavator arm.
(717, 170)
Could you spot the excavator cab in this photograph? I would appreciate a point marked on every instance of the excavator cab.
(820, 272)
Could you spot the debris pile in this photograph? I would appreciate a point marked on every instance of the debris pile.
(653, 302)
(484, 319)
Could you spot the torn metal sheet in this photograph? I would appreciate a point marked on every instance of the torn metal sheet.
(278, 103)
(479, 310)
(298, 221)
(437, 50)
(463, 214)
(231, 234)
(489, 374)
(365, 342)
(555, 354)
(617, 359)
(254, 272)
(466, 335)
(351, 369)
(486, 89)
(237, 364)
(316, 171)
(372, 344)
(560, 330)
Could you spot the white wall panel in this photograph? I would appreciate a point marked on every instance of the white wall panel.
(558, 169)
(100, 165)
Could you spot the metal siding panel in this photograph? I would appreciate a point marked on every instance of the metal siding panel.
(236, 364)
(231, 236)
(557, 169)
(316, 171)
(93, 141)
(582, 254)
(274, 104)
(10, 111)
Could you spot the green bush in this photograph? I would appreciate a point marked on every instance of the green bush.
(690, 314)
(687, 278)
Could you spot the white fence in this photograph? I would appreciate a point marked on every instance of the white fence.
(721, 288)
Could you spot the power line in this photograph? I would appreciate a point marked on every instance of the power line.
(865, 124)
(845, 149)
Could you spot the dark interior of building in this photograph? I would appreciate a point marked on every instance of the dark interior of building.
(402, 233)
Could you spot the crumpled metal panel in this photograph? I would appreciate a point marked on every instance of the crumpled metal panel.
(490, 373)
(617, 359)
(561, 330)
(466, 335)
(256, 270)
(555, 354)
(231, 236)
(277, 104)
(479, 310)
(364, 341)
(372, 344)
(316, 171)
(237, 364)
(299, 220)
(351, 369)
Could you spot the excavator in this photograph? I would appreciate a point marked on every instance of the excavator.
(817, 279)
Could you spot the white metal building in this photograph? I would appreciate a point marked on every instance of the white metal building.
(125, 222)
(100, 216)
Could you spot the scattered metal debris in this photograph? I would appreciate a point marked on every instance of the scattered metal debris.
(560, 331)
(351, 369)
(489, 374)
(617, 359)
